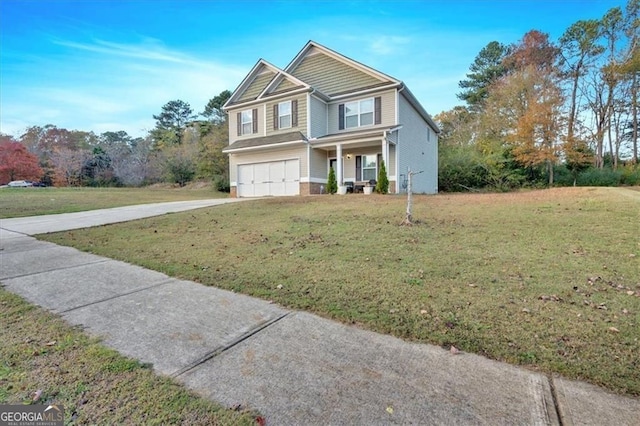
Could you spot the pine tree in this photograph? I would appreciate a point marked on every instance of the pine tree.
(332, 184)
(382, 186)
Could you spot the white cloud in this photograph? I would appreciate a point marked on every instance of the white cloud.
(105, 86)
(385, 45)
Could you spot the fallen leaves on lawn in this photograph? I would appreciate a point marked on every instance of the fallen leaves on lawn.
(36, 395)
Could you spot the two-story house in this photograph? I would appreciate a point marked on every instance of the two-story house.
(288, 127)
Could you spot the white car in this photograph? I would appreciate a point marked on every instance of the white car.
(20, 183)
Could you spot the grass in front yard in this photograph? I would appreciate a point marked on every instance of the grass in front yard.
(96, 385)
(20, 202)
(547, 279)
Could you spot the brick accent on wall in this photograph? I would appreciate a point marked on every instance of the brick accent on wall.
(233, 192)
(309, 188)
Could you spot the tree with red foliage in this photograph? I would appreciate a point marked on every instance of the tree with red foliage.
(16, 162)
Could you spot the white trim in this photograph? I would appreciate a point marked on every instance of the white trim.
(397, 120)
(308, 115)
(335, 99)
(280, 127)
(283, 74)
(259, 147)
(308, 162)
(312, 180)
(268, 161)
(242, 122)
(368, 168)
(359, 113)
(245, 104)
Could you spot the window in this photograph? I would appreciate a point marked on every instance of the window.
(247, 122)
(360, 113)
(369, 167)
(284, 115)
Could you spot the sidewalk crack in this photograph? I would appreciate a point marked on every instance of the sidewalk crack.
(225, 348)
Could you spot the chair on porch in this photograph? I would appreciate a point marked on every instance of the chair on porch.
(349, 185)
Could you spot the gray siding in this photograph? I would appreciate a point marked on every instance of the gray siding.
(415, 151)
(302, 115)
(331, 76)
(318, 112)
(388, 106)
(257, 85)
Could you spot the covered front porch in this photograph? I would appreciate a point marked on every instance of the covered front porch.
(356, 157)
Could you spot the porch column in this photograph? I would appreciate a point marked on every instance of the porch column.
(339, 164)
(385, 154)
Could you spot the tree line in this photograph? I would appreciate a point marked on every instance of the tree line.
(181, 147)
(540, 112)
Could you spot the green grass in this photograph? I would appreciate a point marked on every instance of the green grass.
(20, 202)
(545, 279)
(96, 385)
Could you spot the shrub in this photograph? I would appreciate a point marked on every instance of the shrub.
(221, 183)
(332, 184)
(599, 177)
(461, 168)
(630, 175)
(382, 185)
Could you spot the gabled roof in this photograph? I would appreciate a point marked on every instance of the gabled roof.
(258, 69)
(335, 55)
(271, 81)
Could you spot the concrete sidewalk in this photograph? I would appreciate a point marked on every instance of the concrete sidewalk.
(294, 367)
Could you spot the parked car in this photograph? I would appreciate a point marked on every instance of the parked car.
(20, 183)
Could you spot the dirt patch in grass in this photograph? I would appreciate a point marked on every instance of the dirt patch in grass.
(545, 279)
(20, 202)
(41, 353)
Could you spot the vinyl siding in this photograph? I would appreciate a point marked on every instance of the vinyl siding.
(264, 156)
(257, 86)
(233, 123)
(318, 112)
(388, 117)
(302, 115)
(319, 164)
(285, 84)
(416, 151)
(331, 76)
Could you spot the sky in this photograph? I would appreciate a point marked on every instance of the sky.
(99, 65)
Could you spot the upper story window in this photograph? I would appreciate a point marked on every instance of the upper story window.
(360, 113)
(284, 115)
(247, 122)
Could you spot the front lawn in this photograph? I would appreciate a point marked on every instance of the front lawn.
(20, 202)
(547, 279)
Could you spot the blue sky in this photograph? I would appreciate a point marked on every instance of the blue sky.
(99, 65)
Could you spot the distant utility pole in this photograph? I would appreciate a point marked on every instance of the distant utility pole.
(408, 220)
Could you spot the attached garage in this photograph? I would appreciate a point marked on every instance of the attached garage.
(275, 178)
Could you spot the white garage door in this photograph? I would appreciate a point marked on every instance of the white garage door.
(275, 178)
